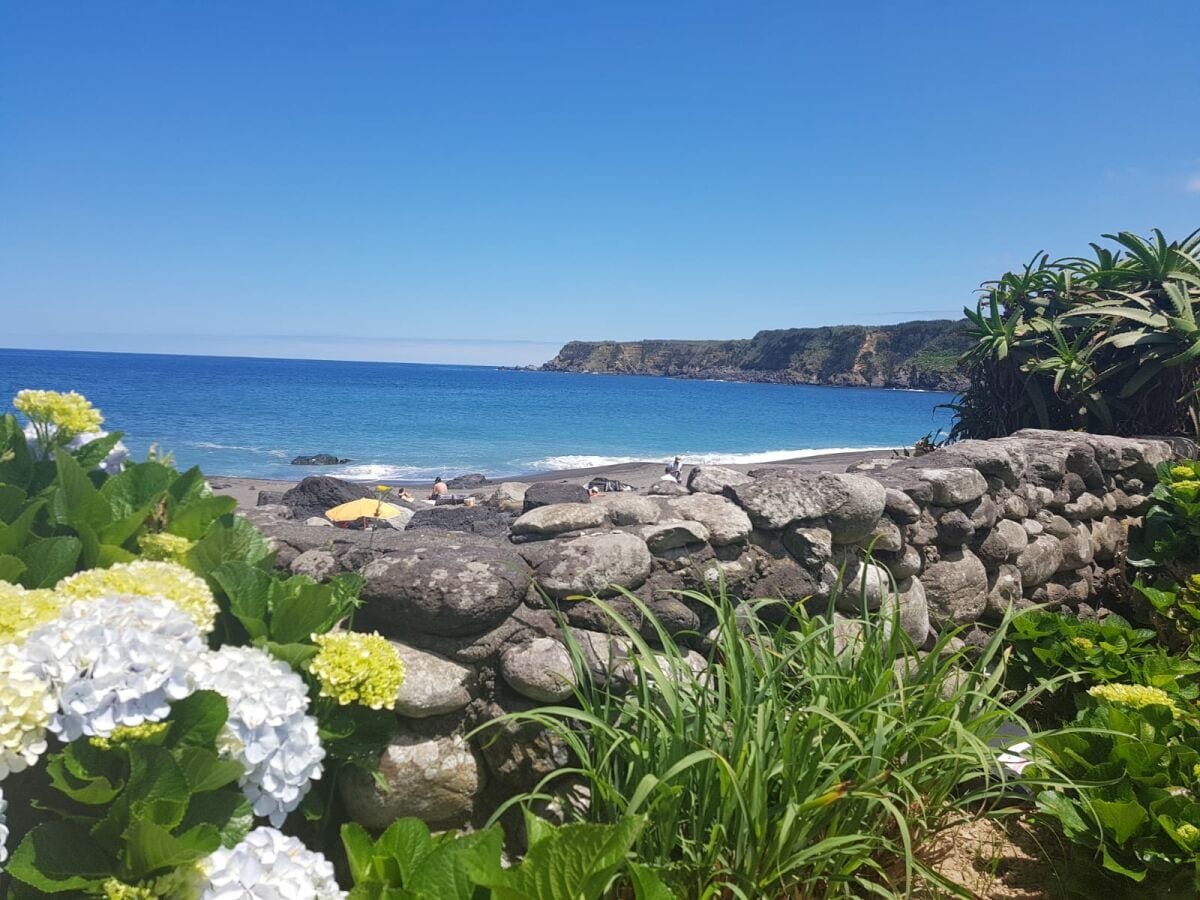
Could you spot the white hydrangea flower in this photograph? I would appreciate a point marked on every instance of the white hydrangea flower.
(26, 705)
(268, 730)
(3, 830)
(114, 662)
(147, 578)
(268, 865)
(112, 464)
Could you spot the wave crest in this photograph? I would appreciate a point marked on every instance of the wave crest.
(557, 463)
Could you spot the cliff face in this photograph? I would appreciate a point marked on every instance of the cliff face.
(908, 355)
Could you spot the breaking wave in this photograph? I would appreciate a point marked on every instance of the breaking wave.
(557, 463)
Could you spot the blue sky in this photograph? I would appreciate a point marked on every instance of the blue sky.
(478, 182)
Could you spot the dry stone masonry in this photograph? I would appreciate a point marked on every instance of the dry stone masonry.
(955, 538)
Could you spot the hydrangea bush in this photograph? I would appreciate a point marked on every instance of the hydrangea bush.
(162, 690)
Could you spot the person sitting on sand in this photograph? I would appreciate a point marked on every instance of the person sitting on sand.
(675, 470)
(439, 489)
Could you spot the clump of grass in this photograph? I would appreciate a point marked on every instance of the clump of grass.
(802, 761)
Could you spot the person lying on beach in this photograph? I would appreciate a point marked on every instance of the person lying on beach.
(439, 489)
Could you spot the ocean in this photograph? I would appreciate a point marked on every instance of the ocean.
(250, 417)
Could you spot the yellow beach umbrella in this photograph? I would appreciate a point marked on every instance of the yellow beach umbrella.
(366, 508)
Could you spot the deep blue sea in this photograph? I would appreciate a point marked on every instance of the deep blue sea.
(237, 416)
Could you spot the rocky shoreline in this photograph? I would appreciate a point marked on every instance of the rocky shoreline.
(476, 599)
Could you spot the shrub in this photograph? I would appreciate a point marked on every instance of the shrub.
(1109, 345)
(1067, 655)
(803, 760)
(1134, 755)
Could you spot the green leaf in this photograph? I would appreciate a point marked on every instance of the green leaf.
(197, 719)
(56, 857)
(247, 588)
(10, 568)
(14, 535)
(229, 539)
(140, 485)
(295, 655)
(69, 777)
(227, 810)
(360, 851)
(205, 771)
(12, 502)
(577, 861)
(1121, 819)
(49, 560)
(94, 452)
(300, 608)
(76, 501)
(121, 530)
(189, 486)
(407, 843)
(647, 885)
(158, 790)
(447, 872)
(151, 849)
(193, 520)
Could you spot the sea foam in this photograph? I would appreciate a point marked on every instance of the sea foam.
(557, 463)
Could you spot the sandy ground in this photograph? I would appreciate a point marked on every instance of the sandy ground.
(640, 475)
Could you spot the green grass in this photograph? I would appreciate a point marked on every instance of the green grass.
(790, 767)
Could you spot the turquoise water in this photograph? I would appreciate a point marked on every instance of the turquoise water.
(236, 416)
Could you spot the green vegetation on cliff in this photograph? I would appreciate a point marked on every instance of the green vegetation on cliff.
(907, 355)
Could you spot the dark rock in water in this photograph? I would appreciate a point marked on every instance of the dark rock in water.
(319, 459)
(544, 493)
(466, 482)
(470, 519)
(318, 493)
(269, 498)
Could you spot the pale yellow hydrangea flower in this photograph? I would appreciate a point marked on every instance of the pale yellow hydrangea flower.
(1182, 471)
(125, 734)
(165, 547)
(1189, 490)
(185, 883)
(1082, 643)
(147, 578)
(1136, 696)
(70, 413)
(357, 668)
(26, 705)
(21, 611)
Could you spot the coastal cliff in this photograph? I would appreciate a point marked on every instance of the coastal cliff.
(908, 355)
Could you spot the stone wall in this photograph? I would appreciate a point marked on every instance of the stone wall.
(955, 536)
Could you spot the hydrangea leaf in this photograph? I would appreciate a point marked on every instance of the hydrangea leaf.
(93, 453)
(228, 539)
(151, 849)
(140, 485)
(49, 560)
(205, 771)
(10, 568)
(57, 857)
(193, 520)
(246, 587)
(196, 720)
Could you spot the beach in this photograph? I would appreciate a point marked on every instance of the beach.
(638, 474)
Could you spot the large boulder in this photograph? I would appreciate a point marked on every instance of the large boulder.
(781, 497)
(467, 482)
(588, 564)
(857, 518)
(509, 496)
(432, 685)
(434, 779)
(864, 585)
(726, 523)
(1040, 560)
(318, 493)
(441, 583)
(559, 518)
(628, 509)
(319, 565)
(850, 505)
(953, 487)
(543, 493)
(956, 588)
(540, 670)
(714, 479)
(673, 534)
(466, 519)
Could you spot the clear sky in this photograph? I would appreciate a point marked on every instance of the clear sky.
(370, 179)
